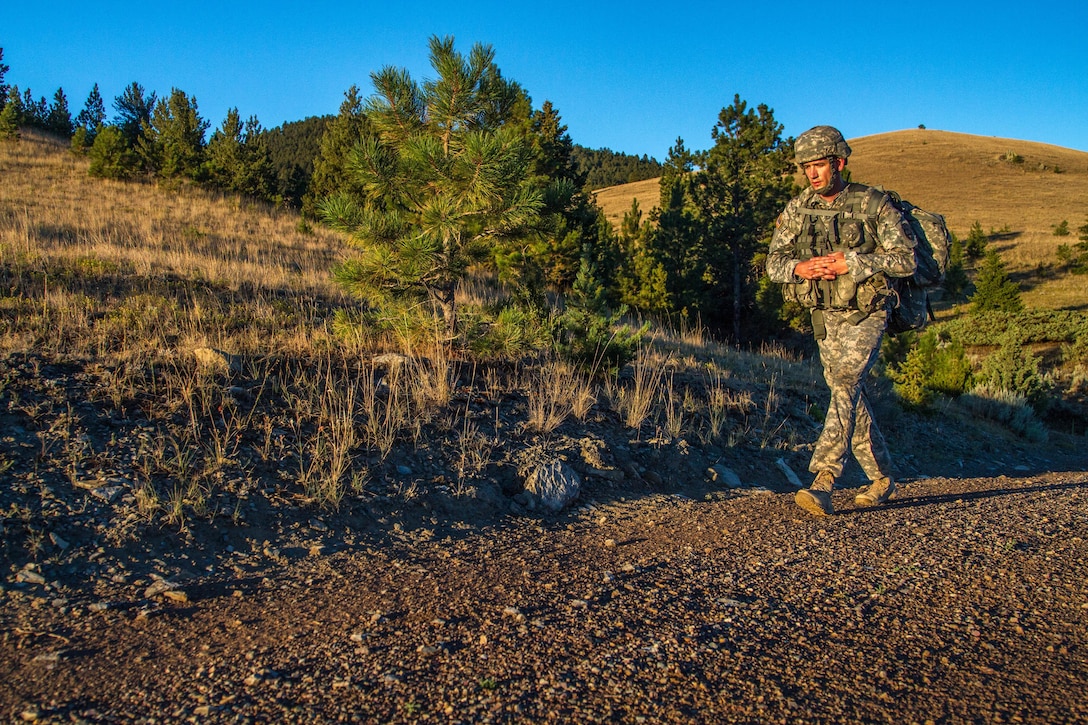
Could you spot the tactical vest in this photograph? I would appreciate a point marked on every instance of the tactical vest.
(850, 227)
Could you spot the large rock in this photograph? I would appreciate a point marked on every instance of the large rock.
(553, 485)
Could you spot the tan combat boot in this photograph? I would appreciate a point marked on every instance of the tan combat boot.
(876, 492)
(816, 499)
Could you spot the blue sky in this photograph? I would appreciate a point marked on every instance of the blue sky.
(632, 77)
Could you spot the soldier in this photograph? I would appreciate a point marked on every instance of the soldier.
(834, 248)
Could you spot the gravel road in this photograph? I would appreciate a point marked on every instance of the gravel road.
(961, 601)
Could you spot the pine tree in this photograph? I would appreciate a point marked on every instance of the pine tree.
(93, 114)
(745, 181)
(330, 174)
(34, 113)
(110, 155)
(569, 218)
(10, 116)
(975, 246)
(994, 290)
(4, 68)
(59, 118)
(442, 179)
(173, 143)
(133, 111)
(955, 277)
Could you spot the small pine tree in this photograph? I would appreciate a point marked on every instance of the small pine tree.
(994, 290)
(1062, 230)
(9, 116)
(59, 118)
(975, 246)
(909, 379)
(110, 155)
(955, 277)
(91, 117)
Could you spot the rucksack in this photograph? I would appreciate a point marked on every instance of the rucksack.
(933, 243)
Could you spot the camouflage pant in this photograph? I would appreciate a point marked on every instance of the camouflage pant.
(848, 353)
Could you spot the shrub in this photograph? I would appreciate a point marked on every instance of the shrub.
(597, 341)
(933, 364)
(1015, 370)
(510, 333)
(1009, 409)
(1032, 325)
(1062, 230)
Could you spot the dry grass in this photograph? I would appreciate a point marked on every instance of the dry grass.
(615, 201)
(1022, 186)
(143, 230)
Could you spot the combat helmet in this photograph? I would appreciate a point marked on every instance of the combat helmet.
(820, 142)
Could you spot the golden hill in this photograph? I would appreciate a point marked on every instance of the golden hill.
(1023, 187)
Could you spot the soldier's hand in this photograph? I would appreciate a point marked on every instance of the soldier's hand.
(817, 268)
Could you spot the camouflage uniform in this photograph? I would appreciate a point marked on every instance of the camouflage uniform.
(850, 341)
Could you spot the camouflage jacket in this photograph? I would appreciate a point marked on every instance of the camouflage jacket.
(863, 223)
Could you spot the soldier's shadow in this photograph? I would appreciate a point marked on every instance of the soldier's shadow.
(904, 500)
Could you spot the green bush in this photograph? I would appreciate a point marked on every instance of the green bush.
(932, 364)
(110, 156)
(510, 333)
(597, 341)
(1014, 369)
(1031, 325)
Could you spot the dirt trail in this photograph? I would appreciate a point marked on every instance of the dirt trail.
(963, 600)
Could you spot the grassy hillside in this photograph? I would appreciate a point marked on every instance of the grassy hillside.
(1023, 187)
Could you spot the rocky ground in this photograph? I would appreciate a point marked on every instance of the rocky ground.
(663, 595)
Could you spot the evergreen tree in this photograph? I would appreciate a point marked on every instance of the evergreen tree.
(955, 277)
(10, 115)
(110, 155)
(975, 246)
(93, 114)
(745, 181)
(133, 112)
(3, 86)
(59, 118)
(442, 179)
(330, 168)
(994, 290)
(238, 159)
(569, 219)
(172, 145)
(293, 147)
(34, 113)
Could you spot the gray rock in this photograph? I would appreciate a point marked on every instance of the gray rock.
(553, 485)
(790, 475)
(723, 474)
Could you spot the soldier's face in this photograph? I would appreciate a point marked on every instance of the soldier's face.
(822, 173)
